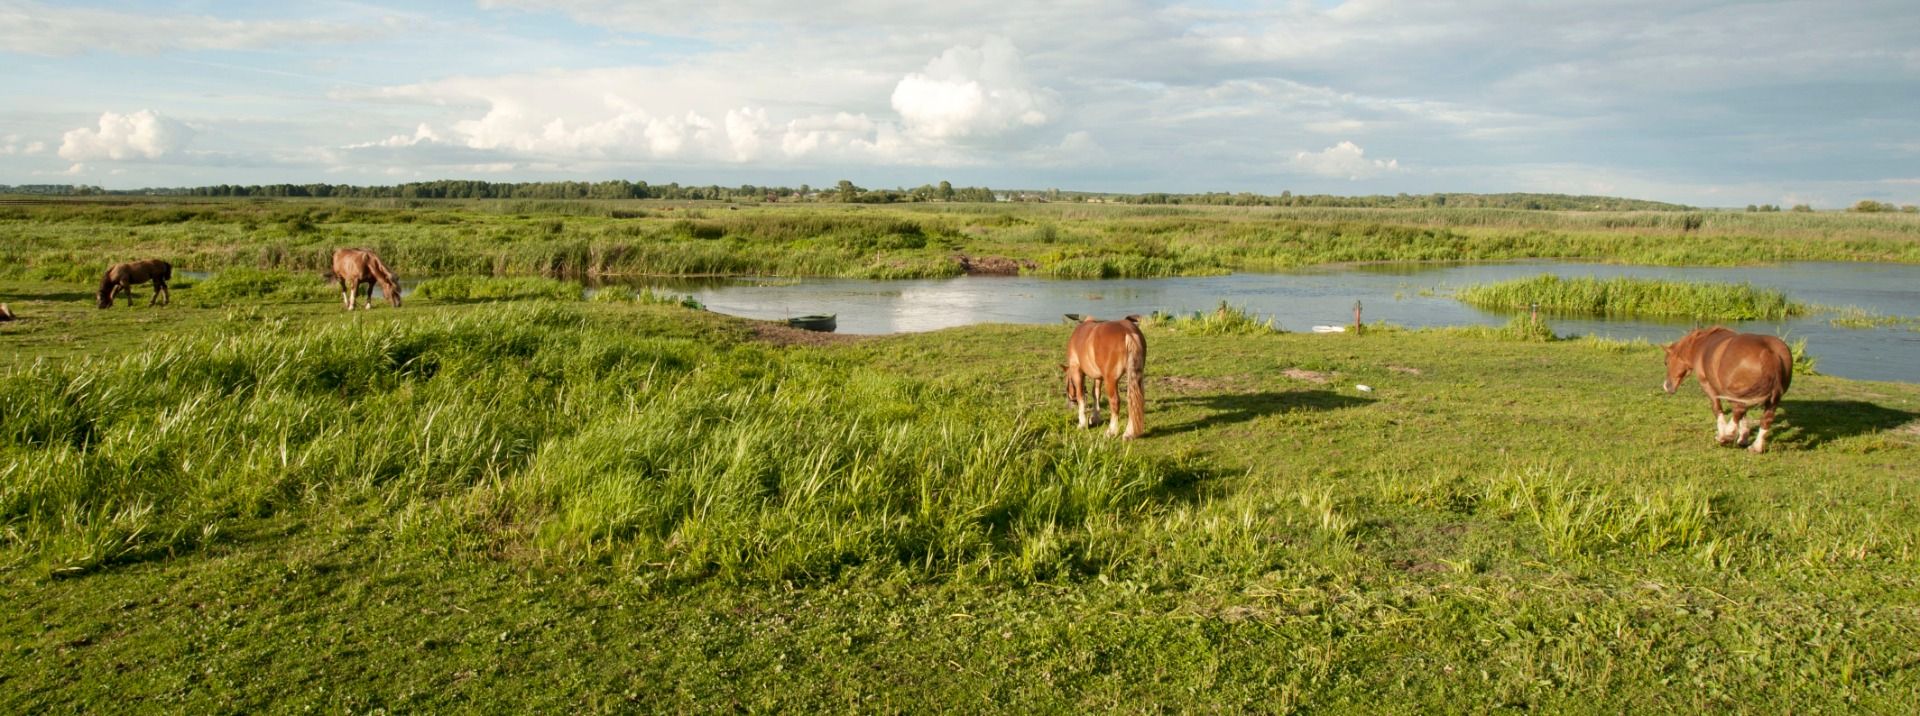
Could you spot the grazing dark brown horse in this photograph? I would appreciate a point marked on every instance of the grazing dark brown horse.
(1745, 369)
(354, 268)
(1107, 351)
(122, 277)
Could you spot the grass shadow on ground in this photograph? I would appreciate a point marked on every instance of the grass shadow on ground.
(1229, 408)
(1812, 423)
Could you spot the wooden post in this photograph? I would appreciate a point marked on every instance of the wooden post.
(1356, 317)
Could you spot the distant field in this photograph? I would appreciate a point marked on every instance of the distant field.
(74, 239)
(253, 501)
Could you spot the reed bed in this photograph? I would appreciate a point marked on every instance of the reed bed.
(1625, 296)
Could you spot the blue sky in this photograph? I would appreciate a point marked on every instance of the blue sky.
(1707, 103)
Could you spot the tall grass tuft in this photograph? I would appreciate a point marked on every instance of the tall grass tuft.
(1225, 320)
(1623, 296)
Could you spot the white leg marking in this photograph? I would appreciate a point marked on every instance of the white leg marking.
(1080, 407)
(1759, 442)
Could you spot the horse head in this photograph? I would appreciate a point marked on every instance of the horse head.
(1677, 367)
(1680, 356)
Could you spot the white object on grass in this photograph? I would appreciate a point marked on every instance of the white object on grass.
(1363, 388)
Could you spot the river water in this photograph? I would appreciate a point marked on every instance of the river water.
(1412, 295)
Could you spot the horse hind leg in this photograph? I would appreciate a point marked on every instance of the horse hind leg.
(1760, 438)
(1112, 384)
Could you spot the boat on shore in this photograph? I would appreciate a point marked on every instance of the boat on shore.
(824, 323)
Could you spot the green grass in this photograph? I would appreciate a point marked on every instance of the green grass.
(1639, 297)
(74, 240)
(488, 288)
(621, 505)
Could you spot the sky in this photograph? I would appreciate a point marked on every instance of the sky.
(1697, 102)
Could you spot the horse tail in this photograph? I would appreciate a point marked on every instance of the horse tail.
(1136, 381)
(1786, 372)
(165, 272)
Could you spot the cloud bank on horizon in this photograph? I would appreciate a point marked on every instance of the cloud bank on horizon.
(1709, 103)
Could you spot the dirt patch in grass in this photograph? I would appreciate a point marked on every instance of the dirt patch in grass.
(1404, 369)
(1311, 376)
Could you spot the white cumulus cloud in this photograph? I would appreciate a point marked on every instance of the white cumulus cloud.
(1345, 159)
(972, 92)
(139, 135)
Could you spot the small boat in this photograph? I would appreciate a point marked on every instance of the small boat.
(1072, 317)
(822, 323)
(1329, 329)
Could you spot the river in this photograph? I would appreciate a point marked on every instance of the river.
(1412, 295)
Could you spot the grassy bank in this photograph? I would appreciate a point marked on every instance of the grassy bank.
(74, 240)
(1640, 297)
(628, 505)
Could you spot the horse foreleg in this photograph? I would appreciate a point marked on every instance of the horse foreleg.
(1760, 438)
(369, 305)
(1112, 384)
(1079, 384)
(1739, 424)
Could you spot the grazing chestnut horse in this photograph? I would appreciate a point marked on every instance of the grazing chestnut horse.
(122, 277)
(1107, 351)
(353, 268)
(1745, 369)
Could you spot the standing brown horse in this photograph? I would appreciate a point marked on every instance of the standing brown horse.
(353, 268)
(1107, 351)
(1745, 369)
(122, 277)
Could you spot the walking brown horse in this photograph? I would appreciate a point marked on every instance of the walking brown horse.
(354, 268)
(1107, 351)
(1745, 369)
(122, 277)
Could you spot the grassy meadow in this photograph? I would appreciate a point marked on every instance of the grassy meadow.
(508, 495)
(502, 497)
(74, 239)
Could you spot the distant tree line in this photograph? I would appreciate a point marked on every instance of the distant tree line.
(845, 192)
(53, 189)
(1553, 202)
(1869, 206)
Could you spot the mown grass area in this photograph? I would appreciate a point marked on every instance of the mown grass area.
(619, 505)
(1639, 297)
(74, 240)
